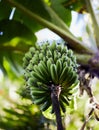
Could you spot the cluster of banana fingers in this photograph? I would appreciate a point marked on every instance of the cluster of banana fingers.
(46, 65)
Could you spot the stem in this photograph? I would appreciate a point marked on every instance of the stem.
(94, 19)
(81, 58)
(56, 107)
(73, 41)
(87, 119)
(59, 22)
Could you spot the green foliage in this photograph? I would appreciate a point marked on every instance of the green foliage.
(48, 65)
(55, 16)
(63, 13)
(5, 13)
(22, 117)
(16, 29)
(19, 20)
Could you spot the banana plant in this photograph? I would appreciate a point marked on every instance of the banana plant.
(51, 75)
(21, 19)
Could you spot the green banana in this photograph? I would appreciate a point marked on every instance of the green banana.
(55, 56)
(64, 74)
(28, 56)
(69, 62)
(59, 48)
(36, 57)
(41, 56)
(49, 53)
(44, 47)
(37, 53)
(63, 107)
(70, 77)
(49, 62)
(70, 53)
(45, 106)
(74, 84)
(36, 69)
(43, 86)
(64, 50)
(40, 100)
(35, 97)
(25, 64)
(37, 92)
(43, 69)
(42, 72)
(39, 72)
(72, 80)
(39, 77)
(38, 47)
(43, 52)
(64, 99)
(32, 50)
(44, 59)
(73, 60)
(30, 67)
(35, 60)
(25, 60)
(59, 55)
(52, 110)
(53, 46)
(54, 74)
(27, 75)
(63, 57)
(65, 91)
(31, 81)
(59, 67)
(65, 64)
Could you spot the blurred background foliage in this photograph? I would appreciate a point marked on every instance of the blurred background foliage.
(20, 22)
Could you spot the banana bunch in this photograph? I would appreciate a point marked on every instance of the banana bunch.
(47, 65)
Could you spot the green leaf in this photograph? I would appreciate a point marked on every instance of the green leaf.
(64, 33)
(1, 64)
(31, 24)
(11, 55)
(36, 7)
(5, 10)
(15, 60)
(11, 29)
(61, 11)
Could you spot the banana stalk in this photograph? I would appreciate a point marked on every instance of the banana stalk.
(55, 92)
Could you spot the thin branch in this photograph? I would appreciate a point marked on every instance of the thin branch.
(87, 119)
(74, 42)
